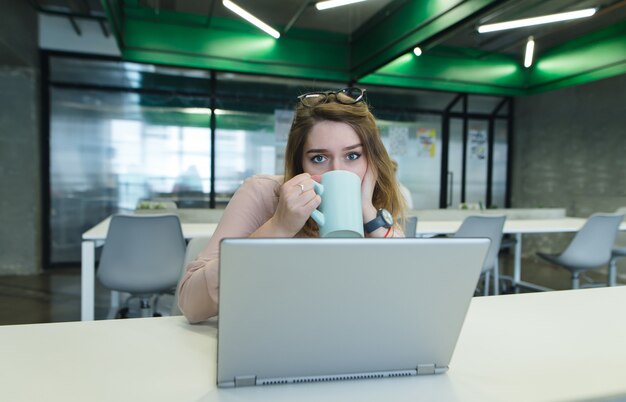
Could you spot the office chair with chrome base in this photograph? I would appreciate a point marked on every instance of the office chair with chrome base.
(487, 227)
(616, 254)
(590, 248)
(142, 256)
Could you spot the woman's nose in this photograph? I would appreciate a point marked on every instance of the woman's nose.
(336, 165)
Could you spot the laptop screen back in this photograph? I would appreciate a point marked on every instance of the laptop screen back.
(297, 310)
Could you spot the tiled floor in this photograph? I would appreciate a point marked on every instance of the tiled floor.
(54, 296)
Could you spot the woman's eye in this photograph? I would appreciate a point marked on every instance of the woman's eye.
(352, 156)
(318, 159)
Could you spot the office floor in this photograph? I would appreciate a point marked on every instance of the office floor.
(54, 295)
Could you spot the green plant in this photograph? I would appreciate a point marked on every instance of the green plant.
(150, 205)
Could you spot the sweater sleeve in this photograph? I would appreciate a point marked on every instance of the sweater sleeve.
(253, 204)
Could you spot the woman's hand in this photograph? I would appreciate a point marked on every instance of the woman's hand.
(367, 193)
(296, 202)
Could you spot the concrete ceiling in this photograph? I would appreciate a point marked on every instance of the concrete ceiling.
(299, 13)
(370, 42)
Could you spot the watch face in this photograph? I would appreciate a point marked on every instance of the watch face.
(387, 216)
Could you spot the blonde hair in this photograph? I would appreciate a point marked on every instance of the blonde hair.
(358, 116)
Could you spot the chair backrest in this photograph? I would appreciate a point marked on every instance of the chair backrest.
(488, 227)
(194, 247)
(592, 245)
(409, 226)
(142, 253)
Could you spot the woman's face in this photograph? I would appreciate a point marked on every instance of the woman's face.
(332, 145)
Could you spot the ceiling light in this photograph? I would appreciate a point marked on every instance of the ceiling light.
(250, 18)
(196, 110)
(530, 48)
(323, 5)
(417, 51)
(546, 19)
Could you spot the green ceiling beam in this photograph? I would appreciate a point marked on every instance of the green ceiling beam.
(115, 14)
(377, 55)
(598, 55)
(449, 69)
(189, 40)
(412, 24)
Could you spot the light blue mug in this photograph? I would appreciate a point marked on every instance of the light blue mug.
(340, 213)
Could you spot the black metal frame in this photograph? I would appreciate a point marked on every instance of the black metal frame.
(445, 138)
(44, 157)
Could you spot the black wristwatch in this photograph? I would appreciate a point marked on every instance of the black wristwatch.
(383, 219)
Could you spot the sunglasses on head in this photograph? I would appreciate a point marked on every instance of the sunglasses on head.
(346, 96)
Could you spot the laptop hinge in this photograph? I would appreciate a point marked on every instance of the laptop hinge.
(425, 369)
(245, 381)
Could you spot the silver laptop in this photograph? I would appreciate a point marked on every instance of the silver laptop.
(310, 310)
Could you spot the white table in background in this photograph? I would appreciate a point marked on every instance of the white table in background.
(95, 237)
(553, 346)
(516, 227)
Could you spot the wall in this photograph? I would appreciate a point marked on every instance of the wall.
(18, 34)
(57, 33)
(20, 181)
(570, 148)
(570, 152)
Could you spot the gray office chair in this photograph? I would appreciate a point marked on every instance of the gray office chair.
(590, 248)
(616, 254)
(486, 227)
(194, 247)
(142, 256)
(409, 226)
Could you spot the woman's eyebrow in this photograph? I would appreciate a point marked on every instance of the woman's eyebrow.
(353, 147)
(323, 150)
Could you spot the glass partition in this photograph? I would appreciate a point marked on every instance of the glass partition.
(109, 151)
(455, 164)
(245, 145)
(416, 146)
(500, 157)
(476, 162)
(121, 133)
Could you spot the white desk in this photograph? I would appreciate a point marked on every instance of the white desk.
(567, 345)
(95, 237)
(516, 227)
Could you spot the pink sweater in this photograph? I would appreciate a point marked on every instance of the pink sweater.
(253, 204)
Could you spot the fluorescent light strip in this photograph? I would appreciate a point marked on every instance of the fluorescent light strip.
(250, 18)
(530, 48)
(546, 19)
(324, 5)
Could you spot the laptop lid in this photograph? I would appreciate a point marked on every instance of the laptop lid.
(307, 310)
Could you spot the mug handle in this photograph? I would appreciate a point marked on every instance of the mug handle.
(317, 216)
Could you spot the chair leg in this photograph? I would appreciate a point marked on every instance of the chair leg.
(496, 279)
(575, 280)
(486, 284)
(612, 272)
(146, 310)
(116, 301)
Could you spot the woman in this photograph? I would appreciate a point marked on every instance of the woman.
(332, 130)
